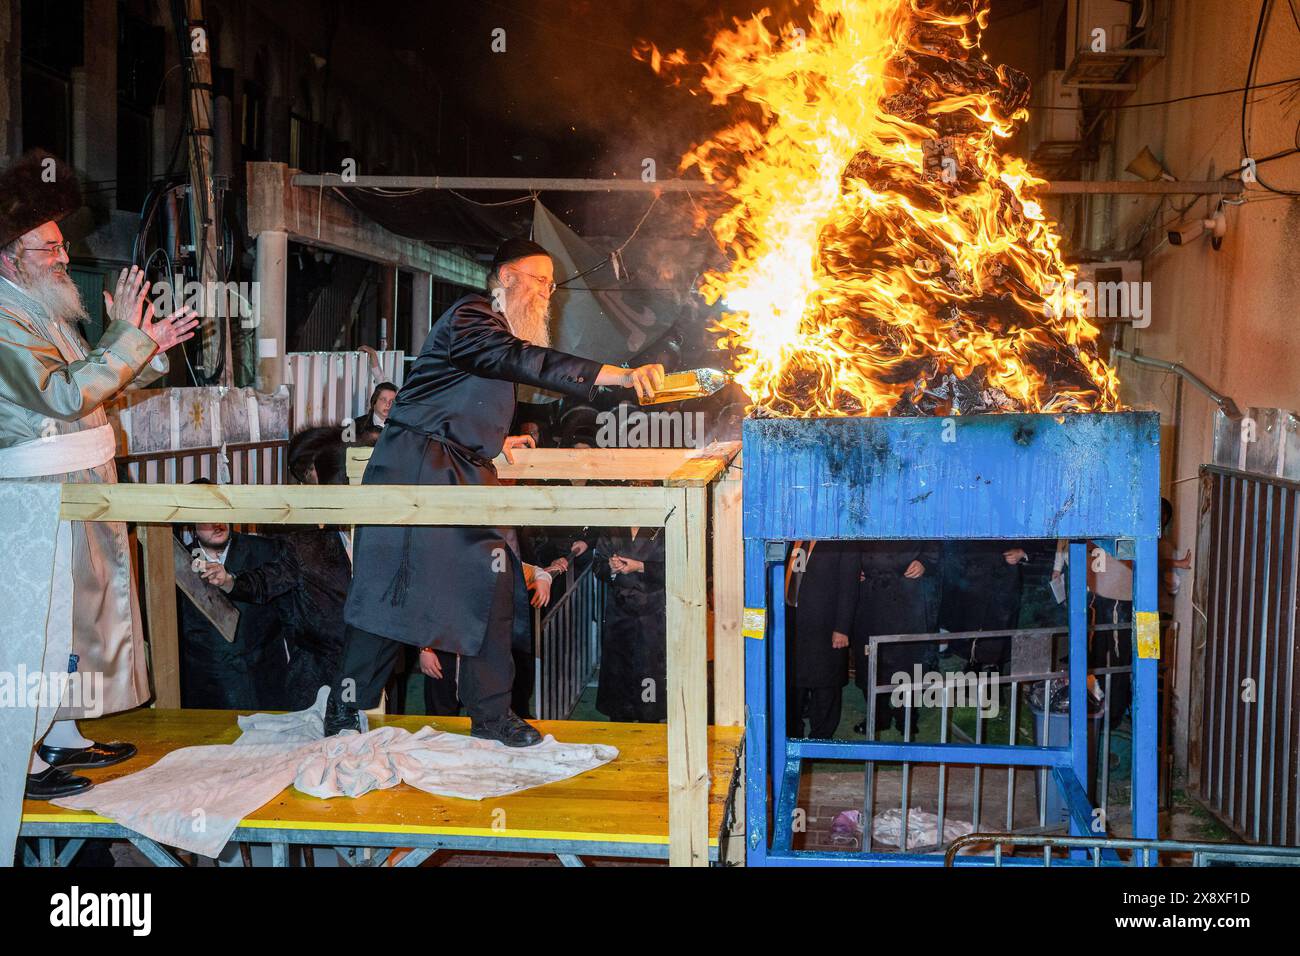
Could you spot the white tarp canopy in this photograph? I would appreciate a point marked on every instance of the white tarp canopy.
(588, 320)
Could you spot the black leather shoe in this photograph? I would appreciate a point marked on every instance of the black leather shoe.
(87, 758)
(340, 717)
(510, 730)
(53, 782)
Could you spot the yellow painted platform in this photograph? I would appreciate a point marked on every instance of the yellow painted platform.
(624, 802)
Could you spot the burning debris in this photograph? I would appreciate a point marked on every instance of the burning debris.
(886, 257)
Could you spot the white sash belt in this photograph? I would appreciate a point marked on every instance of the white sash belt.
(59, 454)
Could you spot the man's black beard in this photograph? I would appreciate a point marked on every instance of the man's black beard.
(55, 291)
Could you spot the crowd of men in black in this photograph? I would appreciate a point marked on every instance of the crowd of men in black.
(840, 594)
(289, 586)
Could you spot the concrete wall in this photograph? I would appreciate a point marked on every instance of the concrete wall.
(1228, 315)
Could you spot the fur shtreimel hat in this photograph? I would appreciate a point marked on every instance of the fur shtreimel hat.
(36, 189)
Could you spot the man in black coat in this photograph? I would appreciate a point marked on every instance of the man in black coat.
(893, 598)
(822, 596)
(248, 674)
(460, 589)
(981, 592)
(308, 580)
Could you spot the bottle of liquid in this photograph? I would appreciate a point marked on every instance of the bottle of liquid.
(696, 383)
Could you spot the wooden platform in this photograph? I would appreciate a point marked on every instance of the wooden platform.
(620, 809)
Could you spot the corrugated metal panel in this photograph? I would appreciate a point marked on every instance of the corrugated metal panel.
(1249, 733)
(329, 387)
(331, 310)
(982, 476)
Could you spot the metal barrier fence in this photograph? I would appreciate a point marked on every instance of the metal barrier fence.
(249, 463)
(1245, 748)
(567, 646)
(1100, 735)
(1106, 851)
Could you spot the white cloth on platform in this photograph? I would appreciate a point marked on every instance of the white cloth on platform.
(35, 635)
(194, 798)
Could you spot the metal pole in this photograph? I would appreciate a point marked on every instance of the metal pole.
(1078, 611)
(1214, 187)
(1146, 659)
(506, 183)
(756, 691)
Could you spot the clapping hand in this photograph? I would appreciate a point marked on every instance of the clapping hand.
(131, 304)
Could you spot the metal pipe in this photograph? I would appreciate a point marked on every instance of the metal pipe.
(1213, 187)
(1228, 406)
(506, 183)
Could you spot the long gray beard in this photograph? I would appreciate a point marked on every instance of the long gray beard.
(56, 293)
(534, 325)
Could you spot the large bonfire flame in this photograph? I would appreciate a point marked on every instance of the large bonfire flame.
(886, 258)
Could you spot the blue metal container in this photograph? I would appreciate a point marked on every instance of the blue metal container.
(1078, 477)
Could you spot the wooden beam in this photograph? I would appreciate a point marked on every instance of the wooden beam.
(704, 466)
(317, 217)
(688, 770)
(677, 467)
(487, 505)
(1161, 187)
(728, 601)
(209, 601)
(160, 610)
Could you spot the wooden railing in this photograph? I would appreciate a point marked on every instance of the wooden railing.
(686, 484)
(250, 463)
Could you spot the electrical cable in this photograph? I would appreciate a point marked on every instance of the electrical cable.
(1265, 8)
(1180, 99)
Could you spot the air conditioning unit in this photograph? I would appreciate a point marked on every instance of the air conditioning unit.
(1056, 120)
(1085, 16)
(1120, 270)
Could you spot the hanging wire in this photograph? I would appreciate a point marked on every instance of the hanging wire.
(1265, 8)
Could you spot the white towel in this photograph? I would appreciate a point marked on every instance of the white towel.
(194, 797)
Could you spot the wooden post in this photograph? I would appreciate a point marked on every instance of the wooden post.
(728, 601)
(728, 643)
(160, 608)
(685, 527)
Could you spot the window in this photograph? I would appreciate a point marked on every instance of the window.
(140, 54)
(52, 41)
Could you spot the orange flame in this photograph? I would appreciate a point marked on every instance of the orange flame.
(880, 244)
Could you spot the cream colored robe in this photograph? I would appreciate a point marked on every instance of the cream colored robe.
(50, 383)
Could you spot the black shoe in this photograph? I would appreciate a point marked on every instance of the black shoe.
(340, 717)
(87, 758)
(52, 782)
(510, 730)
(861, 727)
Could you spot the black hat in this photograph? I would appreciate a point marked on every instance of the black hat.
(513, 249)
(36, 189)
